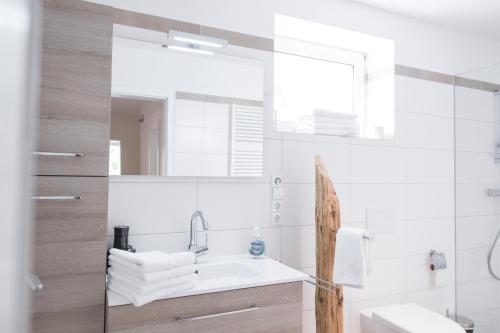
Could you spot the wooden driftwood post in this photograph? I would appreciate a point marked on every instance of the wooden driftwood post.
(329, 307)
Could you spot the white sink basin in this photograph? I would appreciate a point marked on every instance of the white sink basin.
(226, 270)
(217, 274)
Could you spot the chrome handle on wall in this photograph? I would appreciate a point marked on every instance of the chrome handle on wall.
(57, 197)
(34, 282)
(252, 307)
(54, 154)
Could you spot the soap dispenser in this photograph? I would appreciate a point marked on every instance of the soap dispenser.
(257, 246)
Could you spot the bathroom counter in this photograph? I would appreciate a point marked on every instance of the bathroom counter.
(217, 274)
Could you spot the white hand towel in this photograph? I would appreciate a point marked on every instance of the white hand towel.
(350, 258)
(146, 261)
(159, 277)
(137, 290)
(139, 300)
(152, 277)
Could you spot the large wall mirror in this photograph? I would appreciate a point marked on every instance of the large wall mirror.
(185, 105)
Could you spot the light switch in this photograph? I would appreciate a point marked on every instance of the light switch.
(277, 193)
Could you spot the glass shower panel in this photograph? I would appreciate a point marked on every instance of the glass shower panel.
(477, 180)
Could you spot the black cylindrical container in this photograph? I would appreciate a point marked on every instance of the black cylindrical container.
(121, 237)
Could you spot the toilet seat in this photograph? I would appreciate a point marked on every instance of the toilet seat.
(411, 318)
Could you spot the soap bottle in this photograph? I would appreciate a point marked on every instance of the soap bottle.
(257, 246)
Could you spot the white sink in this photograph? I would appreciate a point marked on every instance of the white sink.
(217, 274)
(226, 270)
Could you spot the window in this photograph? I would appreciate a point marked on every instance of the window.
(332, 81)
(115, 165)
(318, 89)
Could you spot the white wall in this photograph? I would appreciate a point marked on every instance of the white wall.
(413, 174)
(202, 137)
(418, 44)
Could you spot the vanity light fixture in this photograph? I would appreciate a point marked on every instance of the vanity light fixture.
(194, 39)
(189, 49)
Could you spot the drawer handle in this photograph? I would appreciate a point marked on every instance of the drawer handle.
(49, 153)
(34, 282)
(252, 307)
(58, 197)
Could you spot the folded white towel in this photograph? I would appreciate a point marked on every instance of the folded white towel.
(139, 289)
(335, 127)
(146, 261)
(152, 277)
(139, 300)
(183, 259)
(152, 261)
(351, 258)
(334, 114)
(338, 132)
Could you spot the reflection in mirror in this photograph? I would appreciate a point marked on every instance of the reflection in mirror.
(176, 112)
(136, 146)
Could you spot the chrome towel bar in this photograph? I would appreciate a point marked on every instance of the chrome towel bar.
(330, 287)
(252, 307)
(54, 154)
(57, 197)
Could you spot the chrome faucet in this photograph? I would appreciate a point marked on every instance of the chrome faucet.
(193, 238)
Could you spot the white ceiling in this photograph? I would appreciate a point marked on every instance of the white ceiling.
(477, 17)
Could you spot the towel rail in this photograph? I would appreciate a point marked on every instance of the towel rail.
(330, 286)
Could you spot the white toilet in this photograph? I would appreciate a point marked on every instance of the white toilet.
(406, 318)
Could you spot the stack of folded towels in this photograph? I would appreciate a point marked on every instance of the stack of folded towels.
(331, 123)
(147, 276)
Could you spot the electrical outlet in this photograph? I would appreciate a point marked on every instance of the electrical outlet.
(278, 193)
(276, 218)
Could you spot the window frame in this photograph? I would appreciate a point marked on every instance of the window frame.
(118, 143)
(297, 47)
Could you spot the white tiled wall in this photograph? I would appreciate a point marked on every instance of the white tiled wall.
(478, 216)
(412, 175)
(201, 139)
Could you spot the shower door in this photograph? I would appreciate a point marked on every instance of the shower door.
(477, 178)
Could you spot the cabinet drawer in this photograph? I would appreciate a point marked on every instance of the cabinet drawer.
(269, 309)
(84, 320)
(69, 293)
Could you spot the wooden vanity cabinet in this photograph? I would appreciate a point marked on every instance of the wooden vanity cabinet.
(70, 185)
(268, 309)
